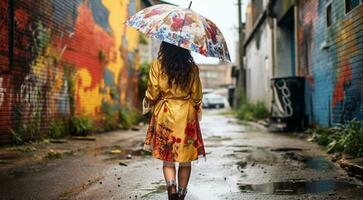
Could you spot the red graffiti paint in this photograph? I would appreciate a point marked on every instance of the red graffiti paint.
(21, 19)
(87, 44)
(344, 77)
(311, 7)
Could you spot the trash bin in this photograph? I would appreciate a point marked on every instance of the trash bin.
(288, 103)
(231, 91)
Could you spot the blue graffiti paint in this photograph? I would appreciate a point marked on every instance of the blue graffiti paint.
(327, 65)
(110, 108)
(130, 64)
(110, 85)
(63, 11)
(109, 78)
(132, 7)
(351, 107)
(100, 14)
(321, 6)
(322, 71)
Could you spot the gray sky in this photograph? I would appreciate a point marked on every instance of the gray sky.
(224, 13)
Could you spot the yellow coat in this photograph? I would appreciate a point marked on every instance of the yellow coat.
(174, 134)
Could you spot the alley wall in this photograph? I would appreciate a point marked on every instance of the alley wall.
(259, 66)
(331, 59)
(64, 58)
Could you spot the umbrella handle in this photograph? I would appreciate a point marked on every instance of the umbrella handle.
(190, 4)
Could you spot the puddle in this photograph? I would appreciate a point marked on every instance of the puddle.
(242, 151)
(318, 163)
(240, 131)
(240, 146)
(282, 149)
(241, 165)
(218, 138)
(119, 151)
(22, 172)
(298, 187)
(116, 152)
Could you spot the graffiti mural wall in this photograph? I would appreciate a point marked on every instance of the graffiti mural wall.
(73, 58)
(331, 47)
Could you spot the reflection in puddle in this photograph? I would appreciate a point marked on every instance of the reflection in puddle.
(117, 153)
(297, 187)
(318, 163)
(218, 138)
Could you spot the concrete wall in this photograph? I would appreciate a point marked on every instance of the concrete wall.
(331, 59)
(58, 46)
(259, 66)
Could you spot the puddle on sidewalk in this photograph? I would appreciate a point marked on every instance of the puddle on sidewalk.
(117, 153)
(217, 138)
(298, 187)
(284, 149)
(319, 163)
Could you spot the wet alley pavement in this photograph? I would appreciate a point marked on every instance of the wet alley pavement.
(243, 162)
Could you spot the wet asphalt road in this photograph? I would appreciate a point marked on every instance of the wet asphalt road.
(242, 162)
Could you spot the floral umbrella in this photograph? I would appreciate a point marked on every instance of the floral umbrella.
(181, 27)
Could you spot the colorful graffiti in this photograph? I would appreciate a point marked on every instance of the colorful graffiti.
(330, 60)
(82, 44)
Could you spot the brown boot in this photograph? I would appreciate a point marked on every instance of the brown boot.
(172, 193)
(182, 192)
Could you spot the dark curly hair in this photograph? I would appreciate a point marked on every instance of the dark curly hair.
(177, 63)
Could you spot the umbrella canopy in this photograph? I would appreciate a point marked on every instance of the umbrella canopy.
(181, 27)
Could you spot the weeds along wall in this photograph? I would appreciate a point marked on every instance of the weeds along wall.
(64, 58)
(330, 38)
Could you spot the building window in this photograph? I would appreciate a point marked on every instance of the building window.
(328, 15)
(350, 5)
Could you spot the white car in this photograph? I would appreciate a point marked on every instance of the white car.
(211, 100)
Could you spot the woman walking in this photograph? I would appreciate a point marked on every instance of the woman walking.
(174, 89)
(174, 92)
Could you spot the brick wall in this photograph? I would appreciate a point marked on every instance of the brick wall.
(69, 58)
(331, 58)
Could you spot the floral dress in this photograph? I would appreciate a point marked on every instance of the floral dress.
(174, 134)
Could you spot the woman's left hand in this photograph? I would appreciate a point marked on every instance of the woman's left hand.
(146, 106)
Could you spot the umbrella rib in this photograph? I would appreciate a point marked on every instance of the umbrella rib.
(181, 29)
(205, 41)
